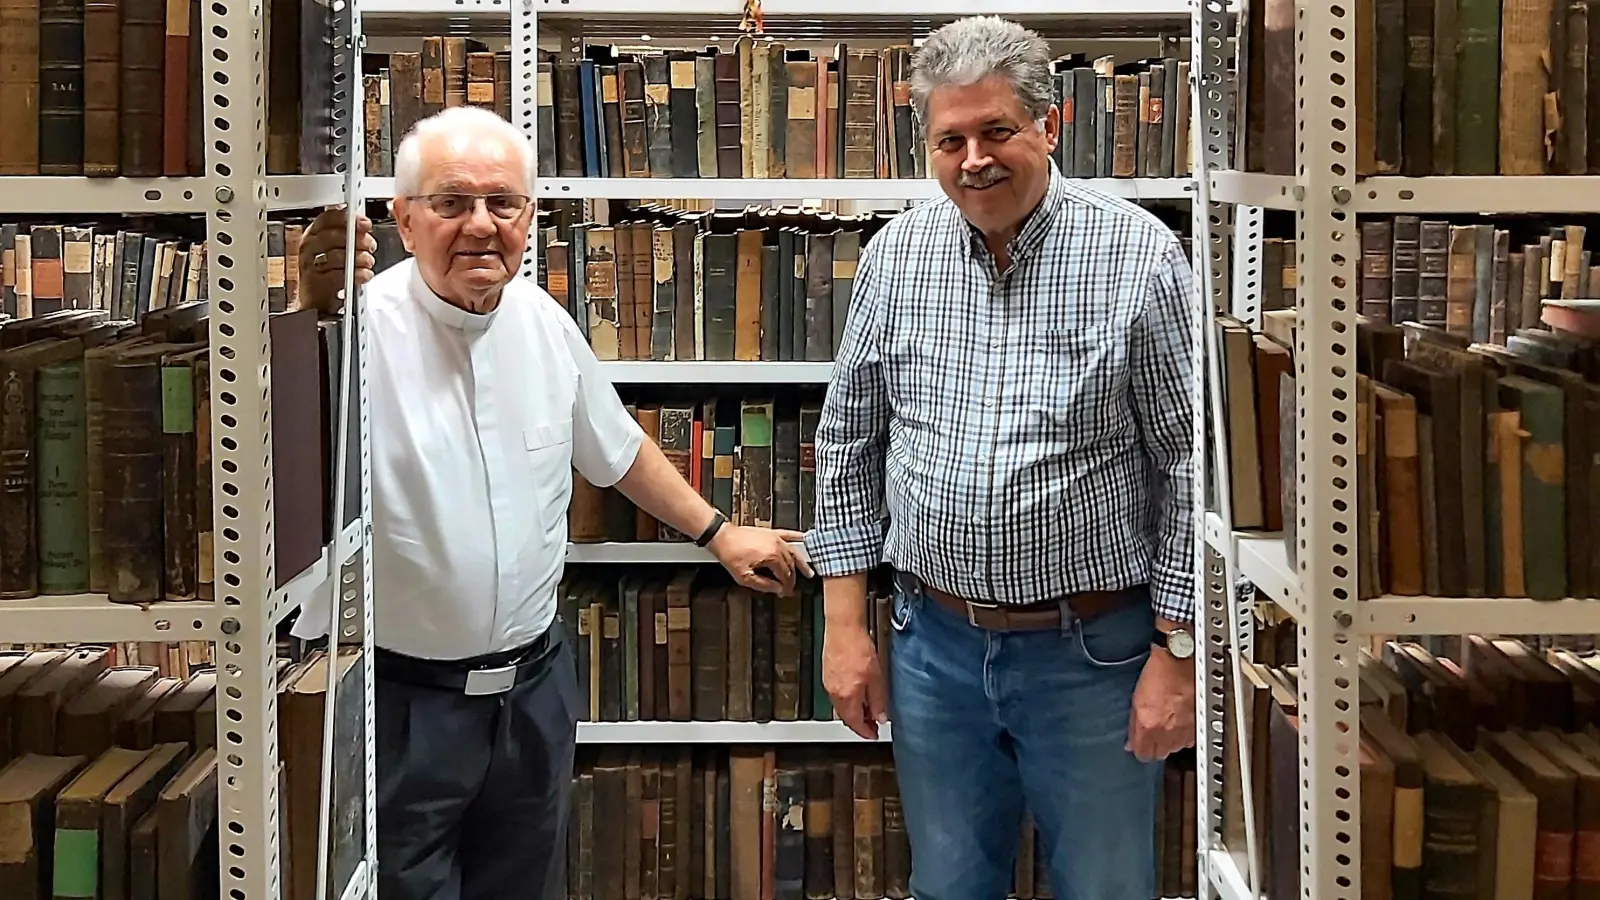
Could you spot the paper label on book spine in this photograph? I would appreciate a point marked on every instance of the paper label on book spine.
(480, 92)
(802, 103)
(275, 271)
(661, 628)
(77, 863)
(546, 92)
(683, 74)
(585, 617)
(657, 93)
(612, 628)
(844, 268)
(677, 618)
(608, 89)
(1155, 110)
(1407, 828)
(79, 257)
(177, 400)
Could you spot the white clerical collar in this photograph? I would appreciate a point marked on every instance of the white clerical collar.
(447, 313)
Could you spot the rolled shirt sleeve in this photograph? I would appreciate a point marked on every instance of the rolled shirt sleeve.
(852, 438)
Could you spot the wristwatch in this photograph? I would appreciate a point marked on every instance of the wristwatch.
(717, 521)
(1179, 642)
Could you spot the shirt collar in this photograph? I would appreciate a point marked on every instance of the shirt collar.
(1035, 226)
(446, 313)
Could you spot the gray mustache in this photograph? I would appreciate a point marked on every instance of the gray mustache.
(984, 177)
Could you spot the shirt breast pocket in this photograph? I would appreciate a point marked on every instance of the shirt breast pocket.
(1073, 376)
(548, 446)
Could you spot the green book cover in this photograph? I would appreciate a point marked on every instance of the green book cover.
(63, 474)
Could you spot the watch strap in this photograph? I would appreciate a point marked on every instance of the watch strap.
(717, 521)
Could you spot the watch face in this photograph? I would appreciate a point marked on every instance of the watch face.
(1181, 643)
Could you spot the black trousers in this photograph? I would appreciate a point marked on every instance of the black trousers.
(473, 791)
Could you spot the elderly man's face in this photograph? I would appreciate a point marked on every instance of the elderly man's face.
(467, 246)
(991, 158)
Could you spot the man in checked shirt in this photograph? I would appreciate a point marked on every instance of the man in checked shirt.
(1014, 390)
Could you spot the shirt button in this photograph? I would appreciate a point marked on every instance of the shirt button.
(994, 344)
(989, 402)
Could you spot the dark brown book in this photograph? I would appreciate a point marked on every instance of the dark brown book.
(187, 831)
(175, 91)
(789, 860)
(125, 804)
(867, 790)
(132, 461)
(19, 675)
(709, 621)
(137, 727)
(61, 87)
(36, 707)
(87, 725)
(102, 88)
(678, 648)
(28, 791)
(786, 652)
(297, 474)
(175, 716)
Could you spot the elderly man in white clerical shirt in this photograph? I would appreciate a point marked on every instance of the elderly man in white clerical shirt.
(485, 397)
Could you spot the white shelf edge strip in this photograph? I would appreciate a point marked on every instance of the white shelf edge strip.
(657, 732)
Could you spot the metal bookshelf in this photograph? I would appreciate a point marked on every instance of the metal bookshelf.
(234, 195)
(1320, 593)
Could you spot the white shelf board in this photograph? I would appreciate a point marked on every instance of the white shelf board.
(643, 552)
(360, 884)
(799, 189)
(652, 372)
(1478, 615)
(1487, 195)
(309, 192)
(94, 618)
(719, 733)
(1133, 9)
(434, 7)
(96, 196)
(1227, 875)
(1254, 189)
(1264, 560)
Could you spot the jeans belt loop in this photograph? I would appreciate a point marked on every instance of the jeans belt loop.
(487, 682)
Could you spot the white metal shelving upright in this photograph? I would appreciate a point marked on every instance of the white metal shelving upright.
(235, 194)
(1320, 593)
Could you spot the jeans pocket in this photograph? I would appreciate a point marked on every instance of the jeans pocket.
(902, 608)
(1117, 639)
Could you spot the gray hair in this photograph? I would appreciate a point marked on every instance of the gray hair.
(969, 50)
(481, 123)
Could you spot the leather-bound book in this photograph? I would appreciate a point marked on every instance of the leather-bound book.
(19, 438)
(297, 478)
(785, 467)
(61, 87)
(818, 881)
(28, 791)
(756, 463)
(19, 88)
(1549, 692)
(136, 728)
(814, 337)
(125, 804)
(1525, 81)
(677, 437)
(610, 813)
(789, 860)
(844, 843)
(721, 287)
(1405, 804)
(786, 652)
(1555, 789)
(1586, 808)
(745, 768)
(175, 90)
(709, 624)
(132, 462)
(1515, 830)
(180, 447)
(762, 631)
(867, 802)
(143, 854)
(896, 840)
(632, 125)
(18, 676)
(739, 661)
(649, 819)
(728, 139)
(79, 860)
(705, 102)
(721, 879)
(187, 831)
(1543, 488)
(87, 724)
(678, 648)
(1452, 817)
(36, 707)
(174, 720)
(658, 114)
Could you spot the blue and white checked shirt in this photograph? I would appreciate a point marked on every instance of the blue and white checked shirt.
(1027, 434)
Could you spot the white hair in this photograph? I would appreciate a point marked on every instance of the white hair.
(474, 120)
(969, 50)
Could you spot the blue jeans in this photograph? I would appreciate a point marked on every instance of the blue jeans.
(989, 723)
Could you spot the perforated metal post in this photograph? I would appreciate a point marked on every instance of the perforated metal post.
(241, 403)
(1325, 361)
(527, 85)
(1248, 301)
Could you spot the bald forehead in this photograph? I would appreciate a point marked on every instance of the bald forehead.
(471, 160)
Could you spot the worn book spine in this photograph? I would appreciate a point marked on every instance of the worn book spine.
(63, 527)
(684, 125)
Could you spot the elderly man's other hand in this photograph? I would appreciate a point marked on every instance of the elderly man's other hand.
(322, 256)
(747, 553)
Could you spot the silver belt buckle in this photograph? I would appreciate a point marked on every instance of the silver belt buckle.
(484, 682)
(972, 611)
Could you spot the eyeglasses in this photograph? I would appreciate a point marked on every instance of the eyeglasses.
(452, 205)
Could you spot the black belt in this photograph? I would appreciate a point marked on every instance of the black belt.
(487, 675)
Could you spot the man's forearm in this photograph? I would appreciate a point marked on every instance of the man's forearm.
(844, 601)
(656, 486)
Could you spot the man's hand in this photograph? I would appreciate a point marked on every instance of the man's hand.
(321, 259)
(745, 552)
(1162, 719)
(853, 679)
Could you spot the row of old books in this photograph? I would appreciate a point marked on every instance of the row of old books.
(1475, 474)
(821, 822)
(126, 266)
(107, 448)
(750, 457)
(686, 644)
(766, 110)
(1442, 87)
(109, 777)
(1464, 277)
(170, 659)
(1479, 771)
(113, 88)
(662, 283)
(403, 87)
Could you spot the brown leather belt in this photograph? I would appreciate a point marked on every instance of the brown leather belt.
(1085, 605)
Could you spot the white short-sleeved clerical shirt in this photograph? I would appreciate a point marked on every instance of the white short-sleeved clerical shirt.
(476, 424)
